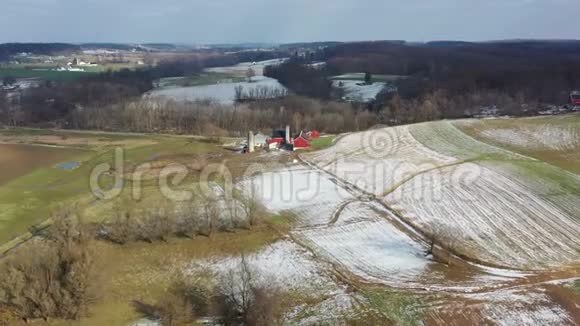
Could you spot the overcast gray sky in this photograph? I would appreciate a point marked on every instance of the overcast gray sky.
(280, 21)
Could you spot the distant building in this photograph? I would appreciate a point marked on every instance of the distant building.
(313, 134)
(300, 142)
(280, 139)
(260, 140)
(575, 98)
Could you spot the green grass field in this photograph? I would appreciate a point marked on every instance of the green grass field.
(48, 73)
(43, 74)
(322, 142)
(552, 139)
(28, 200)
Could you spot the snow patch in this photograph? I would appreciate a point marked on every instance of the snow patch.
(283, 265)
(358, 91)
(224, 93)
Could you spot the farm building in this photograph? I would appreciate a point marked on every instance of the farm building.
(313, 134)
(281, 139)
(274, 143)
(260, 140)
(300, 142)
(575, 98)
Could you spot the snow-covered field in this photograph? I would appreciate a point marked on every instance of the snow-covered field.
(283, 265)
(241, 68)
(493, 217)
(368, 246)
(310, 195)
(519, 306)
(434, 174)
(358, 91)
(378, 160)
(536, 136)
(224, 93)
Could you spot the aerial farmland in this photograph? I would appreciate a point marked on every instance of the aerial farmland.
(333, 183)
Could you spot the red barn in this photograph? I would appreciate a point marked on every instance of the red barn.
(313, 134)
(276, 142)
(300, 142)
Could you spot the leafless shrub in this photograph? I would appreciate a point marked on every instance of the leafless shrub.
(233, 215)
(180, 304)
(266, 307)
(253, 211)
(189, 223)
(171, 309)
(155, 225)
(211, 213)
(242, 301)
(53, 278)
(119, 230)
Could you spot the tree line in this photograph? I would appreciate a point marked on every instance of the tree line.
(540, 71)
(214, 119)
(537, 71)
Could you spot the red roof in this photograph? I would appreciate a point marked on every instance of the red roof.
(313, 134)
(277, 140)
(301, 142)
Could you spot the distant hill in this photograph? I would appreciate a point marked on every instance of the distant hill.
(446, 44)
(10, 49)
(108, 46)
(308, 45)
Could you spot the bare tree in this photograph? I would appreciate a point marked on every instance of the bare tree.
(188, 225)
(446, 238)
(266, 307)
(250, 73)
(53, 278)
(368, 78)
(181, 303)
(211, 214)
(239, 93)
(252, 208)
(245, 302)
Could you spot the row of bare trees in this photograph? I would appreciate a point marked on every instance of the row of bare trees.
(212, 119)
(265, 113)
(259, 93)
(200, 217)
